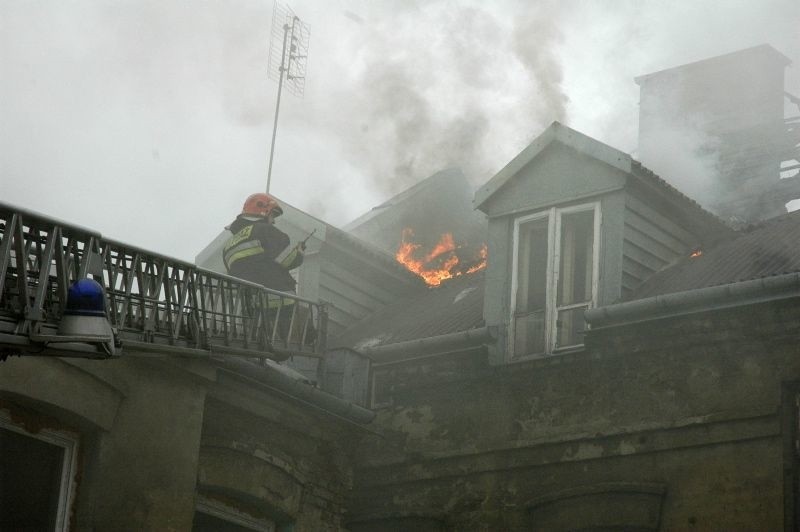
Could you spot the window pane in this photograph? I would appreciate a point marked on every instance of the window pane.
(570, 326)
(575, 265)
(529, 334)
(532, 267)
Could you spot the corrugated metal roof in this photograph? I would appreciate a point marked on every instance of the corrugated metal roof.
(454, 306)
(767, 249)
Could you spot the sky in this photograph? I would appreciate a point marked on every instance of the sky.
(151, 121)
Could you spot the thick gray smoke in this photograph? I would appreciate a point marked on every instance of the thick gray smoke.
(432, 85)
(535, 37)
(688, 158)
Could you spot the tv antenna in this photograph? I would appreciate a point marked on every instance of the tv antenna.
(288, 53)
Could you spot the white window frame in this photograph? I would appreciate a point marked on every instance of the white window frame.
(553, 216)
(69, 467)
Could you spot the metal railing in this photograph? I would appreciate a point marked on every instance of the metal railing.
(153, 302)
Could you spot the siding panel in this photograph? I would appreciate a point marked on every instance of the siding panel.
(651, 241)
(642, 256)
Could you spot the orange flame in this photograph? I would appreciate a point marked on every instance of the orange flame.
(483, 253)
(439, 263)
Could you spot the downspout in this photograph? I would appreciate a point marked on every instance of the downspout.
(691, 301)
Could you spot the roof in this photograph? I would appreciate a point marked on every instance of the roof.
(454, 306)
(386, 260)
(440, 204)
(444, 178)
(603, 153)
(768, 249)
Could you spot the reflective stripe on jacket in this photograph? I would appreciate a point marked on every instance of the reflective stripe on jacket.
(251, 252)
(240, 246)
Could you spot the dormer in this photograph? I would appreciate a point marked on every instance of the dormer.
(576, 224)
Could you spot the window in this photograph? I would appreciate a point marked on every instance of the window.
(37, 473)
(554, 278)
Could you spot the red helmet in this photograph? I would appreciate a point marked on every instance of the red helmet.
(260, 204)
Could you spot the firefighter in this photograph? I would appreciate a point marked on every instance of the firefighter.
(256, 243)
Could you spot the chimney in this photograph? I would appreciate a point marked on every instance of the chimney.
(734, 104)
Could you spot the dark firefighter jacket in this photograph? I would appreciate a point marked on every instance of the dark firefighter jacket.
(251, 252)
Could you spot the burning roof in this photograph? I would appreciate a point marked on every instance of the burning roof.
(431, 228)
(439, 204)
(444, 261)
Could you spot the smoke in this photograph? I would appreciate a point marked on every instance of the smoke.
(535, 39)
(431, 86)
(422, 86)
(715, 130)
(686, 156)
(244, 53)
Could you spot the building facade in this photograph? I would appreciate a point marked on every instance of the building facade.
(674, 409)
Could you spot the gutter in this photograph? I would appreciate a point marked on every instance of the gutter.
(390, 353)
(700, 300)
(298, 391)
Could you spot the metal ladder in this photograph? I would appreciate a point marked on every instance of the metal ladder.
(155, 304)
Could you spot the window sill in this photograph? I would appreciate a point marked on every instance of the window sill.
(559, 356)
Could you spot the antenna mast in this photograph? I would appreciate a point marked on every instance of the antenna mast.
(291, 36)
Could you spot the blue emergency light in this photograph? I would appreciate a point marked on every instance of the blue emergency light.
(84, 321)
(86, 297)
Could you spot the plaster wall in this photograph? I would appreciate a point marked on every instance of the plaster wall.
(138, 424)
(155, 433)
(688, 413)
(276, 461)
